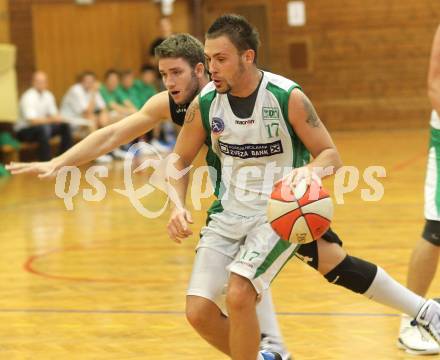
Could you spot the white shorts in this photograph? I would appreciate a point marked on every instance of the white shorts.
(432, 181)
(250, 248)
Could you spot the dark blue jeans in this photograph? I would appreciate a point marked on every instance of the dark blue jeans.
(42, 134)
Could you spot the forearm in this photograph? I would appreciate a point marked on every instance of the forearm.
(130, 106)
(178, 187)
(96, 144)
(326, 163)
(91, 106)
(120, 108)
(40, 121)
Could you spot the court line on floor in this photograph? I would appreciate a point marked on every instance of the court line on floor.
(409, 161)
(175, 312)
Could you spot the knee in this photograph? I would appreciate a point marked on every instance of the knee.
(199, 311)
(241, 295)
(353, 273)
(431, 233)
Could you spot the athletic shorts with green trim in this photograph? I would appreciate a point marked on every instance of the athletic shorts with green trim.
(257, 251)
(432, 180)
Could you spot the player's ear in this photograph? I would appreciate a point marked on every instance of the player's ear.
(249, 56)
(199, 69)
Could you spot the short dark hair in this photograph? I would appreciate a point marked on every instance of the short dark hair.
(84, 74)
(147, 67)
(110, 72)
(126, 72)
(182, 46)
(238, 30)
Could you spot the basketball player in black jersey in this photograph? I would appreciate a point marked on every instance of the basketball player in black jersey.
(181, 65)
(184, 76)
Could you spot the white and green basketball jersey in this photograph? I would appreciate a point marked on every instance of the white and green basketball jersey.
(246, 152)
(435, 120)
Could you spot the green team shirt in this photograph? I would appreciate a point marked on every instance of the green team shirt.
(109, 97)
(131, 94)
(145, 91)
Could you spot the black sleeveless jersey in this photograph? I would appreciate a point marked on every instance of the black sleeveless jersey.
(178, 112)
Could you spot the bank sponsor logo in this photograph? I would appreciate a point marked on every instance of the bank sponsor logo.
(246, 151)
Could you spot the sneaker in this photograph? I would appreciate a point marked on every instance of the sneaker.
(413, 341)
(162, 146)
(264, 355)
(119, 154)
(104, 159)
(428, 320)
(145, 149)
(271, 344)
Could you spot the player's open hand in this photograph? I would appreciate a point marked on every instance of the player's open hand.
(44, 170)
(178, 224)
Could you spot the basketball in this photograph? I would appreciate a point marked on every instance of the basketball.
(302, 215)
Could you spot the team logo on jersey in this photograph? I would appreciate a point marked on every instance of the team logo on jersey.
(271, 113)
(217, 125)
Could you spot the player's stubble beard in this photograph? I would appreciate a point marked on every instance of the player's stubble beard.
(241, 70)
(192, 89)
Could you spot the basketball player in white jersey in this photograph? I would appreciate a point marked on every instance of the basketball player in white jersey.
(252, 120)
(424, 258)
(181, 63)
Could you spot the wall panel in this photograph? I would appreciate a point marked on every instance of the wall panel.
(64, 39)
(4, 21)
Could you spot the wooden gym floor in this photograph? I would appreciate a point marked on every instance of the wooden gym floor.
(103, 282)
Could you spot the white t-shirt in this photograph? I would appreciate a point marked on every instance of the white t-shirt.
(76, 101)
(435, 120)
(34, 105)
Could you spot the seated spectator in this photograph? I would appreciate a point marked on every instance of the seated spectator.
(84, 108)
(39, 119)
(163, 136)
(166, 30)
(146, 84)
(111, 93)
(83, 105)
(128, 91)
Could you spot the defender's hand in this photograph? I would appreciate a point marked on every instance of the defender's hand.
(43, 170)
(178, 224)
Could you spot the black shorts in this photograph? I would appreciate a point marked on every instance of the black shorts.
(431, 232)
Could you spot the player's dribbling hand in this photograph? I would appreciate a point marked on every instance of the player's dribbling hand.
(301, 173)
(43, 170)
(178, 224)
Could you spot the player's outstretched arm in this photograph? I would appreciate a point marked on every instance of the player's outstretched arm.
(434, 73)
(190, 140)
(315, 137)
(103, 140)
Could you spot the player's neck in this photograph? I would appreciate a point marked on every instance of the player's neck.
(202, 82)
(248, 83)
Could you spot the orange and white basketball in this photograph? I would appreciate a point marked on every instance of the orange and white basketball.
(302, 215)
